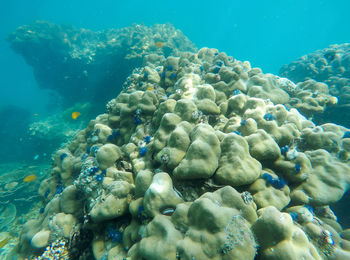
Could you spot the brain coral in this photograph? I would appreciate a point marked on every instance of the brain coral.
(228, 170)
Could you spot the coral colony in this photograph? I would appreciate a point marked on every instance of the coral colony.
(198, 145)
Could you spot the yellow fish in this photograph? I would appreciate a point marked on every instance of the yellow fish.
(75, 115)
(159, 44)
(29, 178)
(4, 242)
(149, 88)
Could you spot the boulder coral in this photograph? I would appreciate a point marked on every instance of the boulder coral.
(198, 163)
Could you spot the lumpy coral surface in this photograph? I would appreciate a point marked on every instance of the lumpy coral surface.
(199, 157)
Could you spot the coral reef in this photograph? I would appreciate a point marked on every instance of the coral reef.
(199, 157)
(330, 68)
(83, 65)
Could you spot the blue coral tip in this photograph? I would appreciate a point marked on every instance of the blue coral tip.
(94, 149)
(137, 120)
(298, 168)
(92, 170)
(84, 156)
(284, 149)
(278, 183)
(115, 133)
(147, 139)
(294, 215)
(236, 92)
(62, 156)
(170, 68)
(115, 235)
(216, 69)
(172, 75)
(267, 177)
(346, 134)
(140, 209)
(269, 117)
(99, 177)
(311, 209)
(110, 138)
(59, 189)
(219, 63)
(243, 122)
(143, 151)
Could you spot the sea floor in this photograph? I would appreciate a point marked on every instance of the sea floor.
(19, 198)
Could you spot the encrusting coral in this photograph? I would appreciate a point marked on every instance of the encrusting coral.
(196, 162)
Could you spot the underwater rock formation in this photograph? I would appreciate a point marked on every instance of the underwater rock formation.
(83, 65)
(199, 157)
(330, 66)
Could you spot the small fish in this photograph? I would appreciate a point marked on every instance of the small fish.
(159, 44)
(36, 157)
(4, 242)
(150, 88)
(75, 115)
(29, 178)
(35, 114)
